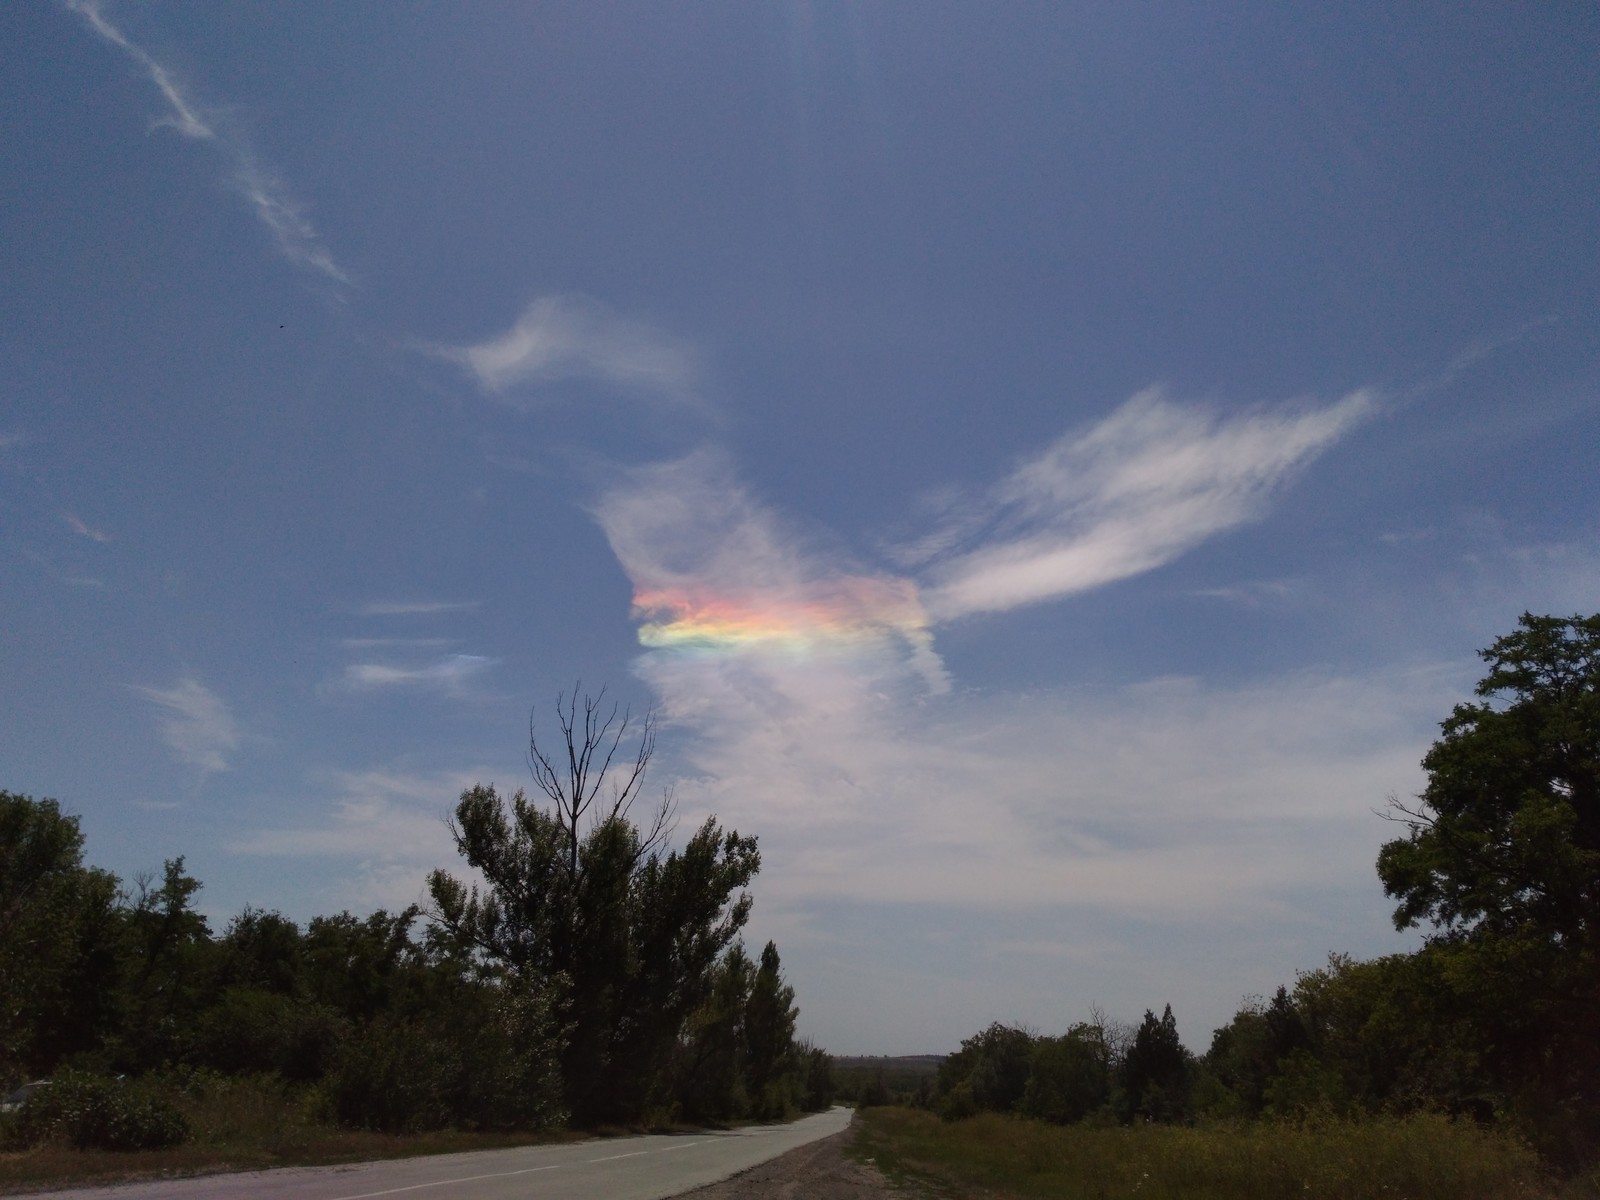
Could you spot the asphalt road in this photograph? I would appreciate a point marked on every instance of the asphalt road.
(632, 1168)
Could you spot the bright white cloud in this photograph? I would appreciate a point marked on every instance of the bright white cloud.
(1149, 482)
(816, 711)
(572, 337)
(724, 579)
(195, 723)
(271, 201)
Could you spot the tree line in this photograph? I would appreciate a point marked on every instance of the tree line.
(594, 976)
(1494, 1019)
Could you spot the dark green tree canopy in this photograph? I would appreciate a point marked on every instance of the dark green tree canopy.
(1506, 838)
(585, 906)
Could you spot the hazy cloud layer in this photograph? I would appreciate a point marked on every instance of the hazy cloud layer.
(267, 195)
(195, 723)
(385, 827)
(572, 337)
(1144, 485)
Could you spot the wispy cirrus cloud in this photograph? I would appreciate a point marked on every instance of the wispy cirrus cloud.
(83, 529)
(267, 196)
(414, 608)
(451, 674)
(395, 643)
(1147, 483)
(182, 112)
(195, 723)
(576, 338)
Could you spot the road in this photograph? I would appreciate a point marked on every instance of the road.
(632, 1168)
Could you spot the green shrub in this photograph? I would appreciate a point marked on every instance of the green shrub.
(98, 1112)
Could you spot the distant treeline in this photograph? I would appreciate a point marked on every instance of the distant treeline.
(1495, 1020)
(593, 978)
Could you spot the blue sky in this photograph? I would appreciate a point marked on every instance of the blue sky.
(1050, 467)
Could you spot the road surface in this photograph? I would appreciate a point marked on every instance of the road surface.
(632, 1168)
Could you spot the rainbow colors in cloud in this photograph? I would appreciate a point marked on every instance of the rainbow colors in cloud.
(840, 612)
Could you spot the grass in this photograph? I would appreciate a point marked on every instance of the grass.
(1416, 1158)
(239, 1125)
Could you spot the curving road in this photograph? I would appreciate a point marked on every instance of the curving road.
(632, 1168)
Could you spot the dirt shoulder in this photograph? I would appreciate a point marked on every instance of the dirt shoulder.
(820, 1170)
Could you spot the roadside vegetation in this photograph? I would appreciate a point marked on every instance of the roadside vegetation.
(1422, 1157)
(1468, 1068)
(594, 978)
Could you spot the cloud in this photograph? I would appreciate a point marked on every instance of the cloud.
(384, 826)
(817, 708)
(183, 115)
(571, 337)
(1169, 801)
(396, 643)
(268, 197)
(84, 530)
(195, 723)
(1149, 482)
(718, 576)
(450, 674)
(415, 608)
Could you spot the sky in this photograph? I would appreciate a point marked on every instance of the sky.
(1049, 467)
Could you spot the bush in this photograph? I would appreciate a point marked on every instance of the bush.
(490, 1065)
(98, 1112)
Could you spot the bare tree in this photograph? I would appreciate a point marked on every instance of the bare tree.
(591, 739)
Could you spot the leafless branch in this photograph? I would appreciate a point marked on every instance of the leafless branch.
(591, 739)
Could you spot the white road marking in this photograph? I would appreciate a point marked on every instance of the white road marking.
(685, 1146)
(447, 1182)
(614, 1157)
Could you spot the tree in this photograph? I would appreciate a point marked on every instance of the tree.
(1069, 1076)
(988, 1073)
(772, 1068)
(1155, 1073)
(1506, 839)
(1502, 857)
(583, 904)
(57, 938)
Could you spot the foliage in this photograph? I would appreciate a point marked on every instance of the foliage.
(1502, 857)
(1069, 1077)
(488, 1061)
(595, 968)
(57, 939)
(988, 1074)
(634, 947)
(1155, 1071)
(1507, 838)
(98, 1112)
